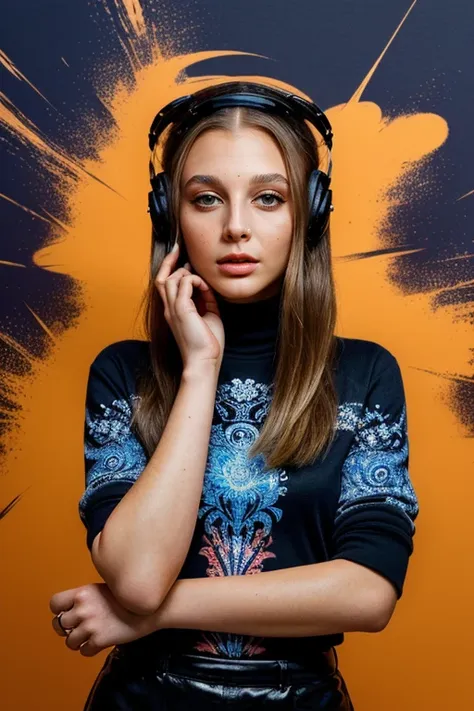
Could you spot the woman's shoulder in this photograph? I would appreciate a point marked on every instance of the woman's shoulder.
(113, 373)
(126, 351)
(122, 358)
(358, 356)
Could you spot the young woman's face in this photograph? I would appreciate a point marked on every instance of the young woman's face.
(235, 197)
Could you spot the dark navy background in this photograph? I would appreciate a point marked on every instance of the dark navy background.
(324, 48)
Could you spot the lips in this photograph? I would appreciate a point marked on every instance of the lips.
(236, 258)
(238, 268)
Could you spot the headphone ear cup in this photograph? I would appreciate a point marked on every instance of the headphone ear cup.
(319, 197)
(159, 209)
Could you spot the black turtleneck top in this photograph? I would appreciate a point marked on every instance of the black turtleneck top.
(356, 503)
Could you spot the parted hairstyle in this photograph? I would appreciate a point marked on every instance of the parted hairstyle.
(300, 423)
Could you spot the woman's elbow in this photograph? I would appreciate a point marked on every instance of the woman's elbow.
(380, 609)
(137, 600)
(137, 593)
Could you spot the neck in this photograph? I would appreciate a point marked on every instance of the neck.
(251, 329)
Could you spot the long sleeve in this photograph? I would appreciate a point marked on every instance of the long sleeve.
(374, 523)
(113, 455)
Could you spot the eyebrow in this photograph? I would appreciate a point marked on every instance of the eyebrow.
(260, 179)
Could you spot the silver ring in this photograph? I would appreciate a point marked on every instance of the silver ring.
(64, 629)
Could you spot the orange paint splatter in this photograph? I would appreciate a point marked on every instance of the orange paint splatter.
(131, 16)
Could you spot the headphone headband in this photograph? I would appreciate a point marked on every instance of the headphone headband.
(187, 110)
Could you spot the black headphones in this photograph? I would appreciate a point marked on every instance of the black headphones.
(188, 110)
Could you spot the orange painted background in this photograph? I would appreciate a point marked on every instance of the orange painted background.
(100, 242)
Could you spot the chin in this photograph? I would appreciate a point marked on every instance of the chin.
(245, 292)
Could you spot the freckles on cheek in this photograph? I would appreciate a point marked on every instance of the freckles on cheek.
(196, 235)
(192, 221)
(279, 229)
(199, 228)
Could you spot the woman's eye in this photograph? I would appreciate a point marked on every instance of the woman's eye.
(270, 199)
(205, 200)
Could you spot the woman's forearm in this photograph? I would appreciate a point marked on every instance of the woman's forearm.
(324, 598)
(147, 536)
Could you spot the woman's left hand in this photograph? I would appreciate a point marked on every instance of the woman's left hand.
(95, 620)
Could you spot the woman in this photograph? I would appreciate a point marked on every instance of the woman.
(247, 498)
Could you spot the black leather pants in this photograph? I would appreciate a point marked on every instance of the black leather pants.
(188, 682)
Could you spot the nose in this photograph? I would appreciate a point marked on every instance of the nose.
(236, 226)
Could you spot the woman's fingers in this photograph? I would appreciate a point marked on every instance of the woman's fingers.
(63, 600)
(179, 292)
(165, 270)
(88, 649)
(172, 287)
(210, 301)
(167, 263)
(77, 637)
(168, 281)
(62, 603)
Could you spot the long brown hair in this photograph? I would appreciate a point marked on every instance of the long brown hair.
(300, 423)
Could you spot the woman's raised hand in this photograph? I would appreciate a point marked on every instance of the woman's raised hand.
(200, 336)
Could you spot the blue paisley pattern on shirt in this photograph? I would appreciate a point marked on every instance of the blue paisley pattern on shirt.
(238, 501)
(376, 467)
(111, 450)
